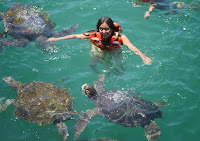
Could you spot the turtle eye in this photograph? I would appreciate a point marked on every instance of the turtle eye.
(87, 91)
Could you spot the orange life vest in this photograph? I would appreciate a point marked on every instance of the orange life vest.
(118, 27)
(114, 42)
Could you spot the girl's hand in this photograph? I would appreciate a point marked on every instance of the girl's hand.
(147, 60)
(147, 14)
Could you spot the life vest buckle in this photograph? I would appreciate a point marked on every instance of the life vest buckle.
(95, 39)
(116, 43)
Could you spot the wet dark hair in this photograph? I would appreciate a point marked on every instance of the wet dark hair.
(108, 21)
(102, 20)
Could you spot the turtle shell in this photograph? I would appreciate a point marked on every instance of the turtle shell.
(43, 102)
(26, 21)
(126, 110)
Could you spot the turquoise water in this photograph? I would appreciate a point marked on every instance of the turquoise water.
(172, 41)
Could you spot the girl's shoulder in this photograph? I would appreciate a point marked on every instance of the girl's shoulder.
(118, 34)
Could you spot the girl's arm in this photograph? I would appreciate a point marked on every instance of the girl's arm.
(73, 36)
(127, 43)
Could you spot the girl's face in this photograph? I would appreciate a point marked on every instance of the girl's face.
(105, 30)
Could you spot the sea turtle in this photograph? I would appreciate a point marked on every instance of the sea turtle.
(43, 103)
(123, 109)
(27, 23)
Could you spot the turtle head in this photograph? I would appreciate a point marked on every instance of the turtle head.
(89, 90)
(14, 84)
(8, 80)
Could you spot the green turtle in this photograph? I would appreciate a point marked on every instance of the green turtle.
(28, 23)
(43, 103)
(121, 108)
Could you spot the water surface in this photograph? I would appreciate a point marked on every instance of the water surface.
(172, 41)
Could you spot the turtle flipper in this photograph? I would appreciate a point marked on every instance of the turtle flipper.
(84, 119)
(7, 103)
(1, 16)
(43, 44)
(62, 130)
(65, 32)
(14, 42)
(152, 131)
(99, 85)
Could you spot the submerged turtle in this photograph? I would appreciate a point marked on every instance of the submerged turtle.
(43, 103)
(118, 107)
(26, 23)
